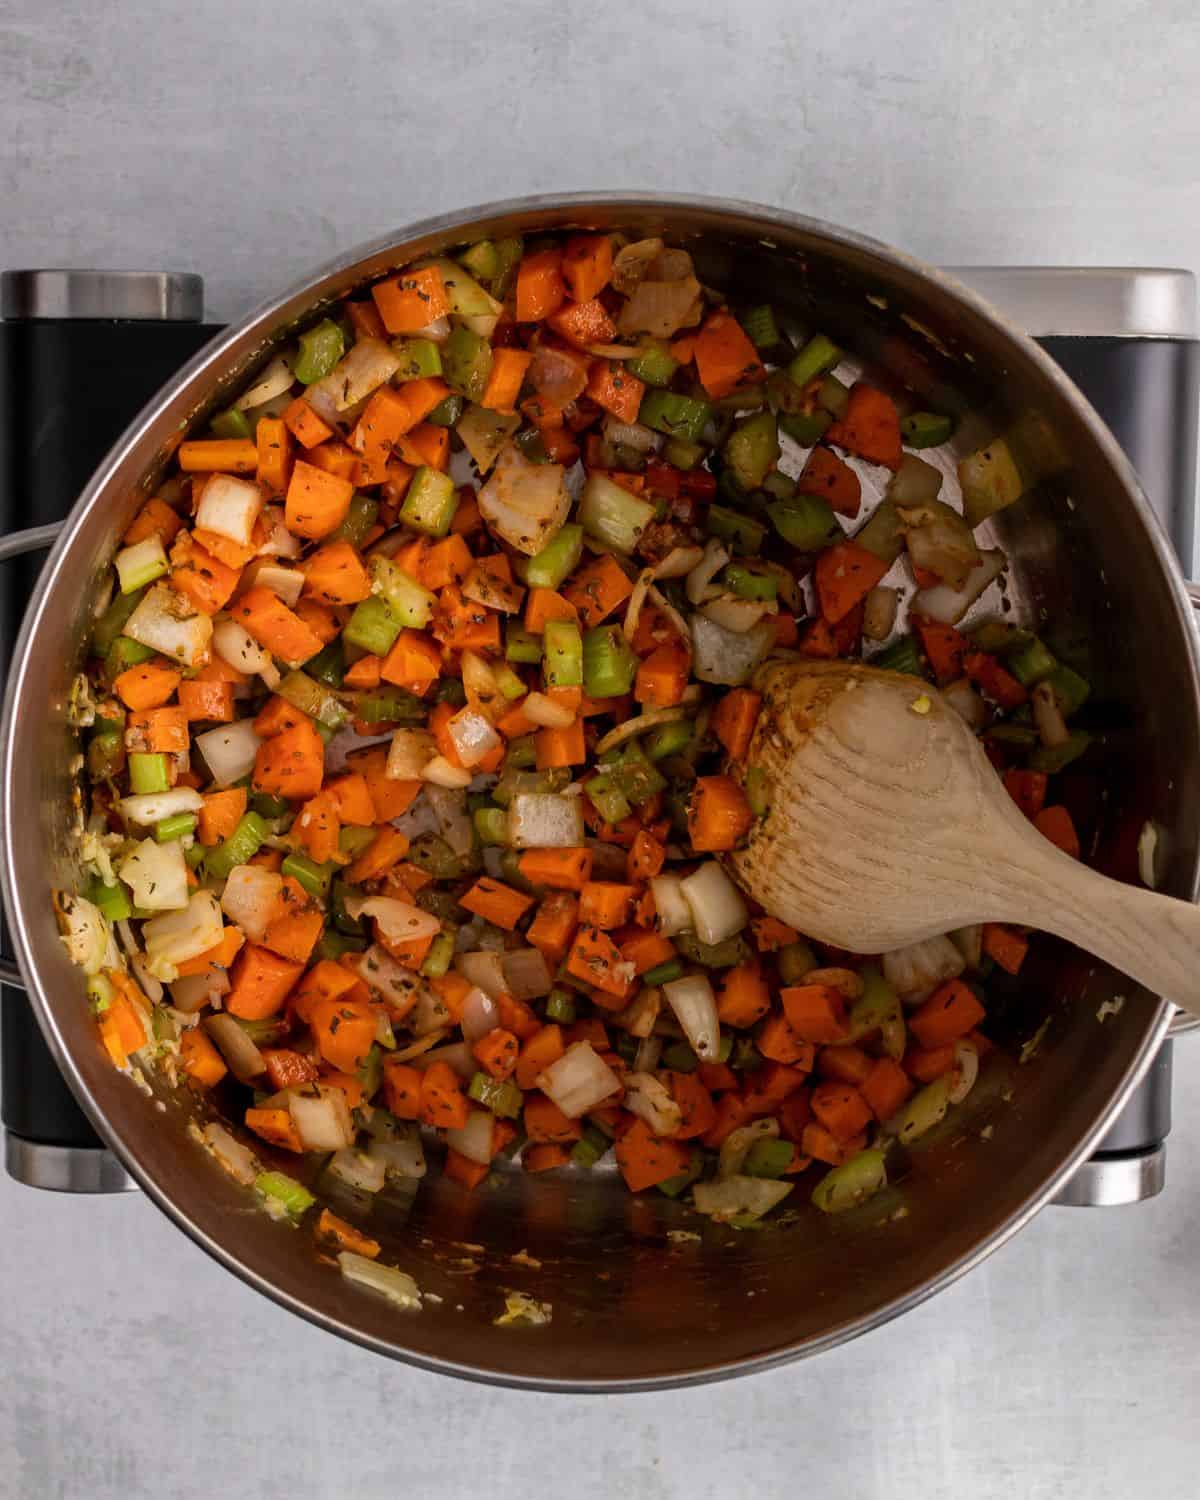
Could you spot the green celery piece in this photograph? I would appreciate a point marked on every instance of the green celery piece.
(779, 486)
(124, 653)
(294, 1198)
(435, 856)
(370, 1072)
(420, 359)
(998, 638)
(314, 878)
(759, 325)
(743, 533)
(231, 424)
(437, 961)
(883, 534)
(683, 454)
(447, 412)
(747, 584)
(333, 945)
(674, 1186)
(679, 1057)
(508, 257)
(667, 739)
(372, 627)
(430, 503)
(852, 1183)
(361, 516)
(353, 841)
(805, 522)
(193, 856)
(590, 1147)
(521, 755)
(500, 1095)
(663, 973)
(653, 364)
(795, 960)
(481, 260)
(112, 622)
(926, 429)
(466, 362)
(609, 662)
(833, 396)
(563, 649)
(724, 955)
(875, 1007)
(611, 515)
(1032, 663)
(390, 705)
(329, 665)
(768, 1158)
(1061, 756)
(634, 773)
(510, 684)
(817, 356)
(408, 601)
(560, 1007)
(990, 480)
(240, 847)
(148, 772)
(491, 825)
(314, 699)
(901, 656)
(177, 826)
(320, 349)
(520, 645)
(529, 443)
(1070, 689)
(674, 415)
(752, 449)
(548, 568)
(607, 798)
(112, 900)
(805, 427)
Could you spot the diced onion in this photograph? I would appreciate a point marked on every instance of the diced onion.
(965, 1071)
(1048, 717)
(969, 942)
(579, 1080)
(524, 503)
(718, 910)
(288, 583)
(480, 1013)
(630, 434)
(474, 1139)
(649, 1099)
(166, 622)
(732, 613)
(251, 899)
(274, 381)
(237, 1159)
(695, 1007)
(639, 1016)
(545, 820)
(879, 612)
(915, 482)
(399, 921)
(484, 968)
(456, 1055)
(480, 685)
(366, 366)
(279, 540)
(229, 752)
(398, 1145)
(246, 1062)
(399, 988)
(194, 991)
(527, 974)
(732, 1197)
(947, 605)
(642, 724)
(659, 308)
(631, 263)
(679, 562)
(321, 1117)
(473, 736)
(918, 968)
(966, 703)
(939, 540)
(648, 1054)
(671, 905)
(157, 875)
(440, 772)
(736, 1146)
(358, 1169)
(486, 433)
(148, 808)
(712, 560)
(85, 933)
(179, 935)
(633, 610)
(410, 752)
(229, 506)
(546, 713)
(238, 649)
(397, 1286)
(725, 657)
(454, 822)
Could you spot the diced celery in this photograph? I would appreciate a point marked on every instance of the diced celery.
(148, 772)
(466, 362)
(779, 486)
(653, 364)
(752, 449)
(372, 627)
(521, 754)
(634, 773)
(313, 698)
(508, 257)
(141, 564)
(563, 648)
(1032, 663)
(743, 533)
(277, 1187)
(481, 259)
(883, 534)
(901, 656)
(240, 847)
(609, 662)
(684, 454)
(607, 798)
(333, 945)
(675, 415)
(314, 878)
(1059, 757)
(361, 516)
(267, 806)
(680, 1183)
(664, 973)
(679, 1056)
(520, 645)
(817, 356)
(112, 900)
(390, 705)
(193, 856)
(353, 841)
(370, 1071)
(805, 427)
(560, 1007)
(320, 349)
(231, 423)
(926, 429)
(760, 327)
(795, 960)
(768, 1158)
(112, 622)
(1070, 689)
(612, 515)
(723, 955)
(430, 503)
(833, 396)
(748, 584)
(990, 482)
(447, 412)
(329, 665)
(124, 653)
(667, 739)
(590, 1147)
(177, 826)
(419, 359)
(850, 1184)
(805, 522)
(491, 825)
(437, 961)
(409, 603)
(500, 1095)
(548, 568)
(511, 686)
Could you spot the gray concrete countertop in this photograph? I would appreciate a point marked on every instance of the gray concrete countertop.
(251, 142)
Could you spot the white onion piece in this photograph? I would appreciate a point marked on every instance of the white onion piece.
(631, 263)
(718, 910)
(399, 988)
(399, 1149)
(454, 822)
(480, 1013)
(229, 506)
(639, 1016)
(671, 265)
(479, 684)
(396, 1286)
(456, 1055)
(731, 1197)
(321, 1117)
(633, 610)
(966, 703)
(524, 503)
(251, 899)
(148, 983)
(157, 875)
(712, 560)
(649, 1099)
(546, 713)
(679, 562)
(1148, 855)
(527, 974)
(280, 542)
(579, 1080)
(194, 991)
(288, 583)
(439, 772)
(485, 970)
(630, 434)
(399, 921)
(246, 1062)
(545, 820)
(366, 366)
(238, 1160)
(358, 1169)
(229, 752)
(1051, 726)
(179, 935)
(148, 808)
(474, 1139)
(166, 622)
(736, 1146)
(947, 605)
(919, 967)
(238, 649)
(964, 1072)
(969, 942)
(86, 934)
(914, 483)
(671, 905)
(410, 752)
(274, 381)
(725, 657)
(695, 1007)
(732, 613)
(486, 433)
(473, 736)
(676, 621)
(879, 612)
(945, 546)
(659, 308)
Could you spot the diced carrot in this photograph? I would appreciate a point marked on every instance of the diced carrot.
(553, 928)
(776, 1039)
(611, 386)
(1004, 946)
(540, 289)
(497, 1052)
(553, 748)
(391, 799)
(885, 1088)
(832, 480)
(366, 320)
(646, 857)
(426, 445)
(945, 647)
(561, 869)
(841, 1109)
(597, 589)
(220, 956)
(203, 580)
(317, 503)
(274, 1124)
(1027, 789)
(845, 574)
(150, 684)
(121, 1027)
(543, 605)
(822, 1145)
(845, 1065)
(443, 1102)
(725, 357)
(597, 960)
(870, 427)
(210, 702)
(605, 904)
(504, 382)
(218, 455)
(386, 849)
(744, 998)
(261, 982)
(1054, 823)
(645, 1160)
(335, 574)
(291, 764)
(995, 681)
(496, 903)
(287, 1068)
(402, 1089)
(717, 1077)
(462, 625)
(353, 799)
(276, 715)
(345, 1030)
(305, 425)
(220, 815)
(537, 1052)
(587, 264)
(414, 662)
(544, 1121)
(926, 1064)
(318, 827)
(770, 934)
(584, 323)
(949, 1013)
(816, 1012)
(644, 948)
(734, 719)
(662, 677)
(463, 1169)
(200, 1060)
(544, 1156)
(267, 618)
(411, 301)
(158, 729)
(345, 1236)
(365, 673)
(731, 1112)
(719, 815)
(695, 1105)
(336, 459)
(156, 518)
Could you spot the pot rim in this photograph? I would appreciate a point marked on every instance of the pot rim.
(201, 373)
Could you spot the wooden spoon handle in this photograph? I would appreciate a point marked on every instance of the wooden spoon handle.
(1154, 939)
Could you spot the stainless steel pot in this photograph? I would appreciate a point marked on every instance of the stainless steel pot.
(635, 1304)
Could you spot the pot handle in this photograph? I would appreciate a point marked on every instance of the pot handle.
(1181, 1021)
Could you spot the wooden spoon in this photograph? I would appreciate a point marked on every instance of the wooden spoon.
(888, 825)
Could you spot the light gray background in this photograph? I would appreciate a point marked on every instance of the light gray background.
(250, 141)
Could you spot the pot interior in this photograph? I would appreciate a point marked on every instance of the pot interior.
(642, 1291)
